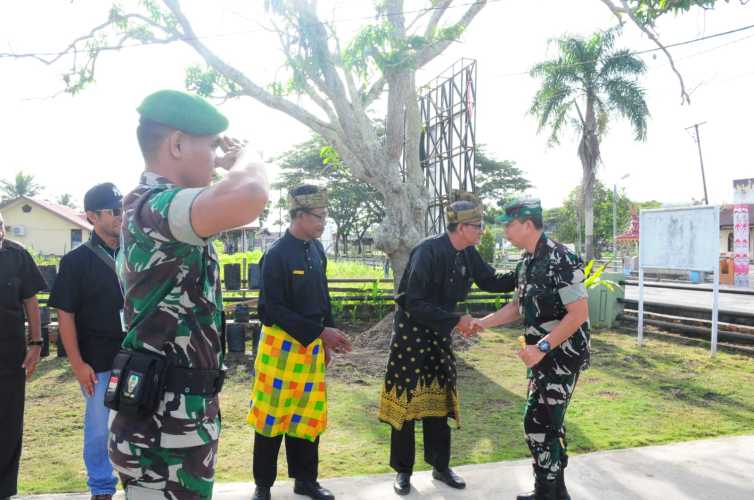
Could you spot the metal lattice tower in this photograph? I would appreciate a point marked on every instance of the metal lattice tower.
(448, 138)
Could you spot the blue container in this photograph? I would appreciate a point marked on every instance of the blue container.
(695, 277)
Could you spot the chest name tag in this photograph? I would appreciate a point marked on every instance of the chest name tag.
(298, 272)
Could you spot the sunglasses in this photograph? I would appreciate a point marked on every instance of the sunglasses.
(115, 212)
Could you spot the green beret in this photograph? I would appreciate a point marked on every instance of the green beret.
(521, 209)
(181, 111)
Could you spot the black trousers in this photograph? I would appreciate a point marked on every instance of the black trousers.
(12, 394)
(303, 458)
(436, 444)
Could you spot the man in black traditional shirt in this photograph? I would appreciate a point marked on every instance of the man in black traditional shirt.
(420, 383)
(20, 280)
(288, 397)
(89, 301)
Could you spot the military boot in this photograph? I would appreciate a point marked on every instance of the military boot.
(562, 490)
(544, 489)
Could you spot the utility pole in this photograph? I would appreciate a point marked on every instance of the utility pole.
(697, 138)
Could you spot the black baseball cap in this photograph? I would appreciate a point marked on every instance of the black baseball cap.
(102, 197)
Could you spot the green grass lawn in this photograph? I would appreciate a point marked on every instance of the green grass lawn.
(665, 391)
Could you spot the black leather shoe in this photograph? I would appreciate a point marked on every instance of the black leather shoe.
(562, 490)
(312, 489)
(261, 493)
(450, 478)
(402, 484)
(544, 489)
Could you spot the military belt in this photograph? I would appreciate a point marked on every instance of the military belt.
(194, 381)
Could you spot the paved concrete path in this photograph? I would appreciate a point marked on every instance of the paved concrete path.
(720, 469)
(694, 298)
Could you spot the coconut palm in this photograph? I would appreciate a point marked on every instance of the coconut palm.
(589, 83)
(21, 185)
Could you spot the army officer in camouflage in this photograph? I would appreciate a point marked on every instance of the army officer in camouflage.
(551, 299)
(170, 274)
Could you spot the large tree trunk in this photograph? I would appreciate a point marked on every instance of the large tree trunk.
(348, 127)
(589, 153)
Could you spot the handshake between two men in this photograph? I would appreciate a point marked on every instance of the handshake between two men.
(469, 326)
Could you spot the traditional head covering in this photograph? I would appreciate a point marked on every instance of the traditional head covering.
(529, 208)
(181, 111)
(462, 213)
(308, 197)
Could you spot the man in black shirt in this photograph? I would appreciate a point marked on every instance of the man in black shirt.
(420, 380)
(89, 301)
(20, 280)
(288, 397)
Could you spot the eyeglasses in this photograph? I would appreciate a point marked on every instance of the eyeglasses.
(115, 212)
(321, 217)
(476, 226)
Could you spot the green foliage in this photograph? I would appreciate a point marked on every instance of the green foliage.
(497, 180)
(205, 81)
(66, 200)
(486, 246)
(593, 278)
(355, 206)
(21, 185)
(648, 11)
(563, 221)
(588, 73)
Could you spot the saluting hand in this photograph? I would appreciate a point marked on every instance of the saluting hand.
(232, 149)
(86, 377)
(336, 340)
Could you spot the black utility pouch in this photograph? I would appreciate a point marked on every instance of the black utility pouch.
(136, 384)
(112, 399)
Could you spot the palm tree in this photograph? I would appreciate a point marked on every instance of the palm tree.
(22, 185)
(66, 200)
(586, 85)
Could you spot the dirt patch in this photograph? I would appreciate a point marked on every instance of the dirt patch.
(371, 347)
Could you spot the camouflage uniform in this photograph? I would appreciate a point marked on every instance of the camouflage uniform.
(547, 281)
(173, 305)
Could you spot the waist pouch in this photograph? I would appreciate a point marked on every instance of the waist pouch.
(139, 379)
(136, 383)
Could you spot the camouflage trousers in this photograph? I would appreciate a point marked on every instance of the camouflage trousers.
(544, 419)
(159, 473)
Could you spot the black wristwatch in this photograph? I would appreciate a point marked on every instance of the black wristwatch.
(33, 343)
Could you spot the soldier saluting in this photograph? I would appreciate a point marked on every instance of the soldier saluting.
(165, 384)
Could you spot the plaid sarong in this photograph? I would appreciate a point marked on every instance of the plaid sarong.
(288, 395)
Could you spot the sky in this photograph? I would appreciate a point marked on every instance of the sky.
(70, 143)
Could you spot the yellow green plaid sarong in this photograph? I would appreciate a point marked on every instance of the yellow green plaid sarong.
(288, 395)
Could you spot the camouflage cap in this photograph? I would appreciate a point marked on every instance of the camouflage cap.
(462, 213)
(315, 199)
(520, 209)
(181, 111)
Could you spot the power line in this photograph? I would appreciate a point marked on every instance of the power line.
(647, 51)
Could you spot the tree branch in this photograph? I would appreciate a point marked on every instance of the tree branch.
(250, 88)
(434, 50)
(437, 14)
(625, 9)
(375, 91)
